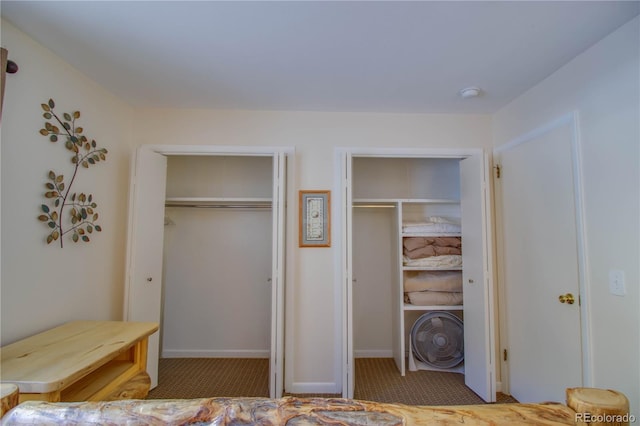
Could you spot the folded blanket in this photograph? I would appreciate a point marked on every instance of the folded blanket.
(432, 228)
(434, 224)
(445, 261)
(427, 251)
(433, 281)
(425, 298)
(412, 243)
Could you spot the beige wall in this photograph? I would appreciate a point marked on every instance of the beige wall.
(602, 85)
(43, 286)
(313, 313)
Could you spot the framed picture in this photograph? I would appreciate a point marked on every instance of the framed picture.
(315, 218)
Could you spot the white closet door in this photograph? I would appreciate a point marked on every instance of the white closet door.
(144, 286)
(348, 370)
(479, 373)
(276, 371)
(398, 320)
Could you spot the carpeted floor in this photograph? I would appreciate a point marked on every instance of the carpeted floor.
(208, 377)
(377, 379)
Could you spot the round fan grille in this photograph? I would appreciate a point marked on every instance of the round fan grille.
(438, 339)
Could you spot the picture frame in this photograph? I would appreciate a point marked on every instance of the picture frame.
(315, 218)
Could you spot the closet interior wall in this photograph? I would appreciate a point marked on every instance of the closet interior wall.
(217, 257)
(374, 280)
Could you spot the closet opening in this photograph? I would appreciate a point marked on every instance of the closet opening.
(220, 264)
(416, 245)
(217, 260)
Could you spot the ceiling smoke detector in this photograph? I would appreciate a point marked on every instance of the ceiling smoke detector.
(470, 92)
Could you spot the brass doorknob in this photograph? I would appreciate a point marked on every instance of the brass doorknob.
(566, 298)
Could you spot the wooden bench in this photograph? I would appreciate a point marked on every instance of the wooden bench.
(8, 397)
(80, 361)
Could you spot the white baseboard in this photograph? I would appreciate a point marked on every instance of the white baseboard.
(311, 387)
(498, 386)
(205, 353)
(373, 353)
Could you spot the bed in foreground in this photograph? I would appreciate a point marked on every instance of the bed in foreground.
(583, 404)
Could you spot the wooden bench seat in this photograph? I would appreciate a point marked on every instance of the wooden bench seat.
(80, 361)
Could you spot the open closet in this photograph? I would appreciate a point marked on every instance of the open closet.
(206, 253)
(417, 255)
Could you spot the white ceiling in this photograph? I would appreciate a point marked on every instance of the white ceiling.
(387, 56)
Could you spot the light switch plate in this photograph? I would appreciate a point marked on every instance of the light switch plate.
(616, 282)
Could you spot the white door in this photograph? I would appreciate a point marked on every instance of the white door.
(348, 366)
(146, 233)
(479, 371)
(276, 370)
(540, 263)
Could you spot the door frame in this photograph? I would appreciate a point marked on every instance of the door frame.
(281, 244)
(343, 275)
(571, 119)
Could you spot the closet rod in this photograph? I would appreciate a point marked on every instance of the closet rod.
(220, 206)
(381, 206)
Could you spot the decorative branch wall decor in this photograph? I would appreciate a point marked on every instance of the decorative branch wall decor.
(81, 208)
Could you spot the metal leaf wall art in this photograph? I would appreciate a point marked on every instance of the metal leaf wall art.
(66, 212)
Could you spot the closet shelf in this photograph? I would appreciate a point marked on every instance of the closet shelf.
(431, 234)
(358, 201)
(219, 202)
(410, 307)
(431, 268)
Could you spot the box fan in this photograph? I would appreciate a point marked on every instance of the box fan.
(437, 341)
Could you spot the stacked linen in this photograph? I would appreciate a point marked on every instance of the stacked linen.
(418, 247)
(439, 250)
(433, 287)
(434, 225)
(436, 252)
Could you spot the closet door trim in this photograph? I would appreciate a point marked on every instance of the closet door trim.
(191, 150)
